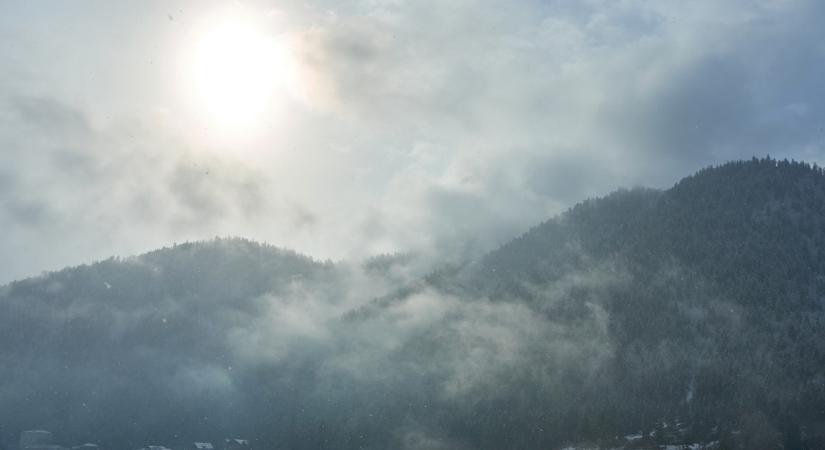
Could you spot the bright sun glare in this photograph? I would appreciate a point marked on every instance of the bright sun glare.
(238, 73)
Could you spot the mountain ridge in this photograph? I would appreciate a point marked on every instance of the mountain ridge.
(700, 304)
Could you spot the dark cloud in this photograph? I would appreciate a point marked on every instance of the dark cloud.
(75, 187)
(568, 175)
(726, 94)
(427, 126)
(303, 218)
(696, 112)
(50, 115)
(27, 214)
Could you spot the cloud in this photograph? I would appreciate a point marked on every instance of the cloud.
(439, 127)
(75, 190)
(43, 113)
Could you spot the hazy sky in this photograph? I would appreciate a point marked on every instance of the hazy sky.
(438, 126)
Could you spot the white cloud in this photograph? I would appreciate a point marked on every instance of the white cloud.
(441, 127)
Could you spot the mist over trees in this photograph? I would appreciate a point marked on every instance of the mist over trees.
(701, 304)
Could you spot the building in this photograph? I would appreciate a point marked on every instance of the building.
(154, 447)
(200, 446)
(32, 438)
(86, 446)
(45, 447)
(236, 444)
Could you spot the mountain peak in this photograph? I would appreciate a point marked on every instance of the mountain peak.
(700, 306)
(765, 175)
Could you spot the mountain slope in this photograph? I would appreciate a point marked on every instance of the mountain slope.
(719, 311)
(126, 351)
(698, 307)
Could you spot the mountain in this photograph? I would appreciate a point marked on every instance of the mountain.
(715, 295)
(130, 350)
(692, 314)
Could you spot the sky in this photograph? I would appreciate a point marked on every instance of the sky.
(442, 128)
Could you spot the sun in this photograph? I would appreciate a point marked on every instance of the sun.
(237, 72)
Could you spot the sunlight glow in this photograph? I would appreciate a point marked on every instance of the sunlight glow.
(238, 73)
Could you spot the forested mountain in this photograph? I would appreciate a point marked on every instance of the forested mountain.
(138, 348)
(692, 314)
(715, 291)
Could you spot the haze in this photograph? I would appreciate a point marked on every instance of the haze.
(442, 128)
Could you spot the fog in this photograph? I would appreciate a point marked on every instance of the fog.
(97, 352)
(437, 128)
(433, 251)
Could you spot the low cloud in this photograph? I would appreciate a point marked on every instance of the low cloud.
(439, 128)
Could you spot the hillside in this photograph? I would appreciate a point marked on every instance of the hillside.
(127, 350)
(692, 314)
(715, 292)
